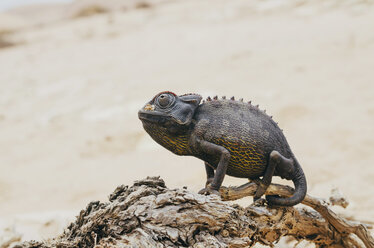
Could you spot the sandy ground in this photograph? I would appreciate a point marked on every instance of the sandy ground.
(71, 89)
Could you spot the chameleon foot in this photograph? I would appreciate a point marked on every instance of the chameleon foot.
(209, 191)
(260, 202)
(261, 189)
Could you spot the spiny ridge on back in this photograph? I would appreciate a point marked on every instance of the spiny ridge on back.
(249, 103)
(215, 98)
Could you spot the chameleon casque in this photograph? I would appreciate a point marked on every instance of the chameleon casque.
(231, 137)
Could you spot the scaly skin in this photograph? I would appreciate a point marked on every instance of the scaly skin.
(231, 137)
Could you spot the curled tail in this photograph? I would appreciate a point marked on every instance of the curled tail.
(299, 181)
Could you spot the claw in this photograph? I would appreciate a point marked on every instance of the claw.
(260, 202)
(209, 191)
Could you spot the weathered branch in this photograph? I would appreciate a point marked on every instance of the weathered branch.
(148, 214)
(343, 227)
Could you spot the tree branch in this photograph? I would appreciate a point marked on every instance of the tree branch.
(148, 214)
(342, 226)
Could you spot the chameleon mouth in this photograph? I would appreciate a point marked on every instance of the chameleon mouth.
(152, 116)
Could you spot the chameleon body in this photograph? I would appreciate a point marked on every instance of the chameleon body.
(231, 137)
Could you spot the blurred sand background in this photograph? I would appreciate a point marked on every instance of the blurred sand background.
(74, 75)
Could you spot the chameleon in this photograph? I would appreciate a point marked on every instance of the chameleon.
(231, 136)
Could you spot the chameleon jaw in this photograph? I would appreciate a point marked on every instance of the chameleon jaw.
(149, 114)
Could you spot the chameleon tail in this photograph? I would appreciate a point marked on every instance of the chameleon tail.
(299, 181)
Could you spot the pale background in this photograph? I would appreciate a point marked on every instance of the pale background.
(71, 88)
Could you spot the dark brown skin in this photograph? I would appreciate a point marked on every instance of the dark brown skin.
(231, 137)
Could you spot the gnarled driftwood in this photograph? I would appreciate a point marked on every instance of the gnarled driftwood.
(148, 214)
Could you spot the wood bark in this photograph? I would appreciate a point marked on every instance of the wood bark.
(148, 214)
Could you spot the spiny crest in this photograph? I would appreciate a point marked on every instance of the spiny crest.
(241, 100)
(223, 98)
(216, 98)
(249, 103)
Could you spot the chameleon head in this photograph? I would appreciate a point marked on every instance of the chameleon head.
(166, 108)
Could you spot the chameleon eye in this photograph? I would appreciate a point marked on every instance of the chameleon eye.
(164, 100)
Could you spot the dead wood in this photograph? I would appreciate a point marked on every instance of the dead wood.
(148, 214)
(339, 225)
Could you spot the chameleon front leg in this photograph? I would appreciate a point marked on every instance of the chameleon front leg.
(224, 157)
(209, 174)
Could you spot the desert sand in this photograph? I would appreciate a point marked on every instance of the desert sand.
(71, 88)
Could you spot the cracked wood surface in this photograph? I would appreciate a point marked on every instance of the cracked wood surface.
(148, 214)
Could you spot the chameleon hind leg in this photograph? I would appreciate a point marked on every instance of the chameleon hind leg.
(276, 161)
